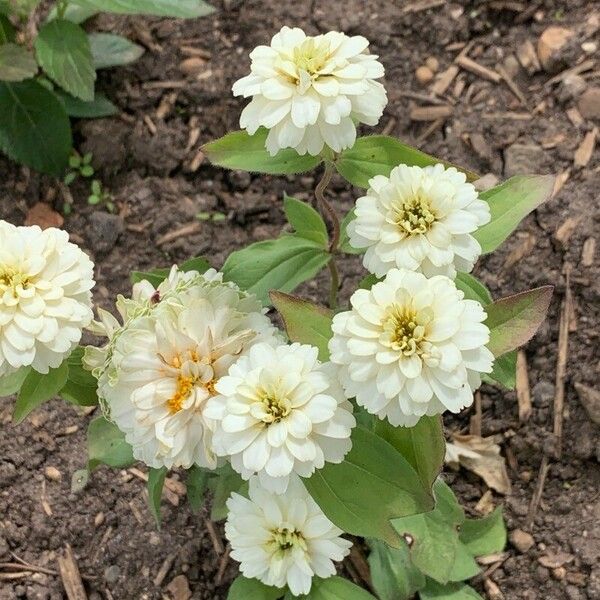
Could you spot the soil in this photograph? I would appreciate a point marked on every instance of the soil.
(148, 175)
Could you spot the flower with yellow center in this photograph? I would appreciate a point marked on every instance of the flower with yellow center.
(411, 346)
(161, 367)
(280, 411)
(420, 219)
(283, 539)
(310, 91)
(45, 297)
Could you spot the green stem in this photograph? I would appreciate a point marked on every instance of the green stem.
(61, 8)
(334, 241)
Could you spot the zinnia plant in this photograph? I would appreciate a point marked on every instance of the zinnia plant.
(329, 433)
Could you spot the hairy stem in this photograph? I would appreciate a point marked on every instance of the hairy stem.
(334, 240)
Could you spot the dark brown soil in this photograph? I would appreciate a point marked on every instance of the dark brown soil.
(108, 524)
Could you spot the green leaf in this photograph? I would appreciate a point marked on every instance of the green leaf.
(37, 389)
(110, 50)
(510, 203)
(307, 222)
(373, 484)
(393, 575)
(222, 486)
(197, 483)
(450, 591)
(514, 320)
(486, 535)
(423, 445)
(34, 127)
(156, 481)
(99, 107)
(305, 321)
(74, 13)
(7, 31)
(63, 51)
(368, 281)
(433, 536)
(472, 288)
(280, 264)
(464, 566)
(378, 155)
(16, 63)
(10, 384)
(252, 589)
(81, 386)
(504, 371)
(238, 150)
(183, 9)
(107, 445)
(345, 238)
(334, 588)
(157, 276)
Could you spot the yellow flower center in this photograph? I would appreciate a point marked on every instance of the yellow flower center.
(404, 330)
(184, 389)
(12, 278)
(311, 57)
(413, 216)
(276, 408)
(284, 539)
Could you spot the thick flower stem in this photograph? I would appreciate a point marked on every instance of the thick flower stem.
(334, 241)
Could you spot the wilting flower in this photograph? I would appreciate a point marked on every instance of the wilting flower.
(161, 366)
(279, 412)
(411, 346)
(419, 219)
(45, 297)
(310, 91)
(283, 539)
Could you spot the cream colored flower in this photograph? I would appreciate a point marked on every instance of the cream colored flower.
(283, 539)
(310, 91)
(280, 411)
(420, 219)
(411, 346)
(45, 297)
(161, 366)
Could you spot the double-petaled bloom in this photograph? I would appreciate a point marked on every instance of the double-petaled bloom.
(162, 365)
(283, 539)
(411, 346)
(45, 297)
(311, 91)
(421, 219)
(280, 411)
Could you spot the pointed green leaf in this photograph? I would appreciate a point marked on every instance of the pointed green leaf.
(10, 384)
(333, 588)
(7, 30)
(252, 589)
(280, 264)
(197, 483)
(81, 386)
(486, 535)
(222, 486)
(157, 276)
(504, 371)
(373, 484)
(34, 127)
(37, 389)
(464, 566)
(307, 222)
(183, 9)
(423, 445)
(472, 288)
(111, 50)
(449, 591)
(107, 445)
(305, 321)
(514, 320)
(16, 63)
(393, 575)
(99, 107)
(238, 150)
(378, 155)
(510, 203)
(156, 481)
(64, 52)
(74, 13)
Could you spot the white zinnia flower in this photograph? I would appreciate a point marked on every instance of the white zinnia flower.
(45, 297)
(311, 90)
(411, 346)
(283, 539)
(160, 368)
(419, 219)
(280, 411)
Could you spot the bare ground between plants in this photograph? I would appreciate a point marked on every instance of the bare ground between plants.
(158, 194)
